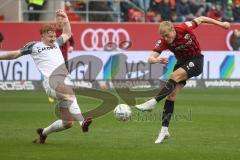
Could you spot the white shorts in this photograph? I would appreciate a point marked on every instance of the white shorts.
(51, 90)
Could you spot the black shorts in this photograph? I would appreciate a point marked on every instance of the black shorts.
(193, 67)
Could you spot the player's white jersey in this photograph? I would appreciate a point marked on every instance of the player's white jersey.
(46, 58)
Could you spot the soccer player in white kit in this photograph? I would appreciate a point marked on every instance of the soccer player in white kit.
(50, 62)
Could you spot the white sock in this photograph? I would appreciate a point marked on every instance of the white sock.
(164, 129)
(75, 111)
(54, 127)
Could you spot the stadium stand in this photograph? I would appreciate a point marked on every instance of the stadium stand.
(149, 11)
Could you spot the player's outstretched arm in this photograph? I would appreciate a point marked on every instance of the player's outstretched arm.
(154, 58)
(202, 19)
(67, 33)
(27, 49)
(10, 55)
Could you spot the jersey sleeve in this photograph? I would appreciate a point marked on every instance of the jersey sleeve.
(28, 48)
(160, 46)
(60, 41)
(189, 25)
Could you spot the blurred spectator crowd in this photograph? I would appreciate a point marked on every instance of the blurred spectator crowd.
(155, 10)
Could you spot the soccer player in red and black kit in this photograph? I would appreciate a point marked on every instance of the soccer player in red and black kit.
(69, 45)
(180, 40)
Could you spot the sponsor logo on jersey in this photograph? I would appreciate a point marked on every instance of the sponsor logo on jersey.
(158, 43)
(46, 48)
(187, 36)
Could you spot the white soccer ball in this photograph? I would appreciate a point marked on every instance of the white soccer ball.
(122, 112)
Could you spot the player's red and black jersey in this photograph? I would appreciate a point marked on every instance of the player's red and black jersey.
(185, 46)
(64, 48)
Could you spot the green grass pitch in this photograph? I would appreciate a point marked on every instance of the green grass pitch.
(206, 125)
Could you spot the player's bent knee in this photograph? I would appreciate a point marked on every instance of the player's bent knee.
(66, 96)
(175, 77)
(67, 124)
(64, 91)
(65, 103)
(172, 96)
(179, 75)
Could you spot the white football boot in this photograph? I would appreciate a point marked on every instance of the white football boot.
(164, 134)
(147, 106)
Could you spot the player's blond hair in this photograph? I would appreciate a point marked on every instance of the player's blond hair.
(165, 26)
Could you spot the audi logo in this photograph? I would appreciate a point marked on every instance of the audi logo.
(99, 39)
(228, 40)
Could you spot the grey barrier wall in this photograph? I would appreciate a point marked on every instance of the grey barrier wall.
(120, 84)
